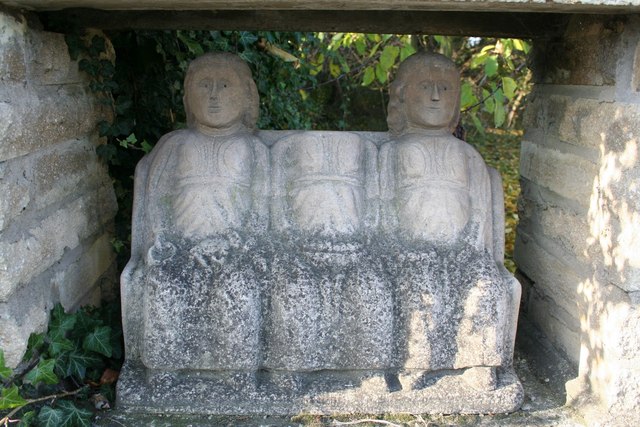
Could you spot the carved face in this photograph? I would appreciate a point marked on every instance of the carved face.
(216, 97)
(431, 98)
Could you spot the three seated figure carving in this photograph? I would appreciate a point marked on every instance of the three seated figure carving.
(326, 272)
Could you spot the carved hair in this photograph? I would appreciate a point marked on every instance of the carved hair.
(237, 65)
(418, 64)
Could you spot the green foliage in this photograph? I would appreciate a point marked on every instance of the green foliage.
(501, 150)
(76, 349)
(4, 371)
(49, 417)
(10, 397)
(74, 416)
(42, 372)
(495, 78)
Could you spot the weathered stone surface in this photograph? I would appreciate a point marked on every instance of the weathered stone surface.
(586, 55)
(324, 184)
(281, 393)
(578, 235)
(55, 194)
(556, 275)
(75, 283)
(51, 63)
(29, 252)
(563, 226)
(566, 174)
(16, 189)
(68, 168)
(25, 311)
(36, 118)
(36, 181)
(12, 50)
(78, 277)
(579, 121)
(557, 323)
(288, 279)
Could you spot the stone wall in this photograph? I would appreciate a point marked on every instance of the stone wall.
(579, 233)
(57, 204)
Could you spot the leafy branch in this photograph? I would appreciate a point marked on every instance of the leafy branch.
(7, 419)
(62, 367)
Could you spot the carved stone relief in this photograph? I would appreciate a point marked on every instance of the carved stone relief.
(323, 274)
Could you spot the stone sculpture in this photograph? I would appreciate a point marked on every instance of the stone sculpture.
(455, 300)
(330, 296)
(201, 201)
(323, 274)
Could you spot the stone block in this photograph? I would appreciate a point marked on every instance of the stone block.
(590, 124)
(552, 321)
(50, 62)
(566, 174)
(544, 112)
(40, 244)
(24, 312)
(556, 275)
(68, 168)
(38, 117)
(15, 189)
(13, 31)
(78, 279)
(587, 54)
(562, 225)
(598, 124)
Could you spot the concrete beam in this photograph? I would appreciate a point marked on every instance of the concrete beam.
(566, 6)
(495, 24)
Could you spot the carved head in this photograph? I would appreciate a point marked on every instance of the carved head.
(219, 93)
(425, 95)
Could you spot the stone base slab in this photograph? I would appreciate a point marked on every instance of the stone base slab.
(267, 393)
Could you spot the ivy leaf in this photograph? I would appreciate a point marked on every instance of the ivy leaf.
(381, 74)
(4, 371)
(388, 57)
(107, 152)
(27, 419)
(61, 322)
(361, 46)
(477, 123)
(43, 372)
(369, 76)
(467, 98)
(49, 417)
(146, 147)
(99, 341)
(509, 87)
(59, 345)
(72, 416)
(77, 364)
(499, 114)
(247, 38)
(193, 46)
(491, 66)
(406, 51)
(10, 398)
(334, 69)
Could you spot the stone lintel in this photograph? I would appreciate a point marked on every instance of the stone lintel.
(496, 24)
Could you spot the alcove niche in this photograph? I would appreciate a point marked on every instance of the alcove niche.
(578, 240)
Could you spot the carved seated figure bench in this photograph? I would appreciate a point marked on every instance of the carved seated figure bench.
(318, 272)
